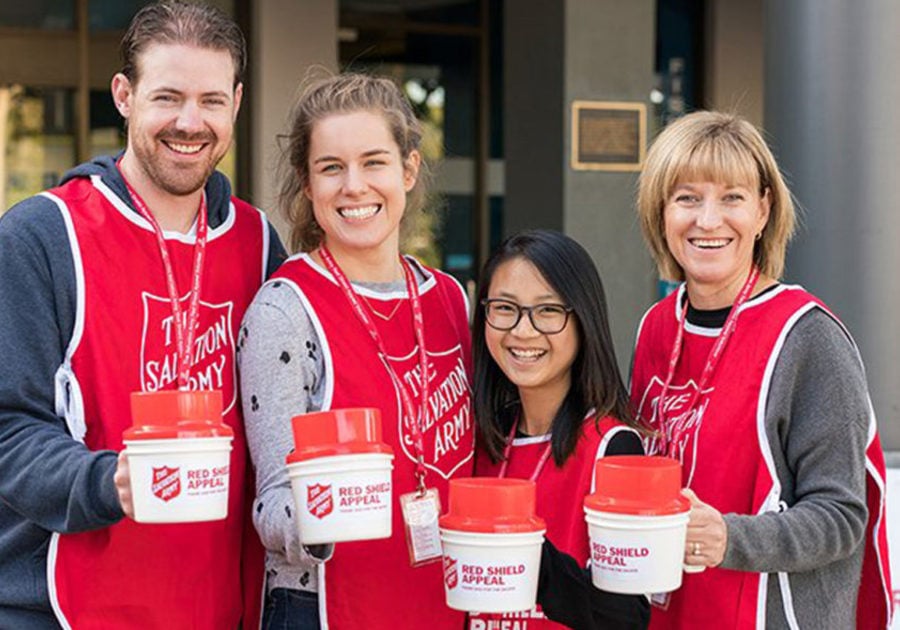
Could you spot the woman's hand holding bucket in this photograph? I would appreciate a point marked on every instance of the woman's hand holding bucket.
(707, 535)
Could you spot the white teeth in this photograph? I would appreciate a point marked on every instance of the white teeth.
(710, 243)
(363, 212)
(521, 353)
(185, 148)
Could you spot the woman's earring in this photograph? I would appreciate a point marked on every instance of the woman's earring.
(758, 236)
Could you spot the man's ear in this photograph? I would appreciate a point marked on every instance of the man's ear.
(122, 92)
(238, 95)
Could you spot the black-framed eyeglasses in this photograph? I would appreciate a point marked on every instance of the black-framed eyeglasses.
(548, 319)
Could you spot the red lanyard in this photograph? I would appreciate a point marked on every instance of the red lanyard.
(711, 361)
(508, 449)
(362, 314)
(184, 329)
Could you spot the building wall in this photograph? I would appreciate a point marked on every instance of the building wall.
(734, 78)
(610, 48)
(600, 50)
(831, 95)
(533, 119)
(290, 39)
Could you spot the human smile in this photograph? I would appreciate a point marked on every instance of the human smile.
(184, 149)
(527, 355)
(709, 243)
(359, 213)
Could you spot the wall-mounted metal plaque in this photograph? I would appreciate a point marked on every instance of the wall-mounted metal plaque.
(608, 136)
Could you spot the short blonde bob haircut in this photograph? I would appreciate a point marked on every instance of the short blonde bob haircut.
(708, 146)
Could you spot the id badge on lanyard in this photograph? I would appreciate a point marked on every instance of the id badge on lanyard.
(421, 507)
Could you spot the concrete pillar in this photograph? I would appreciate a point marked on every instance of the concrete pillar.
(733, 72)
(289, 37)
(556, 53)
(831, 112)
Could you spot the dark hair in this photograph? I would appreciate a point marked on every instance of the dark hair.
(596, 382)
(176, 22)
(342, 94)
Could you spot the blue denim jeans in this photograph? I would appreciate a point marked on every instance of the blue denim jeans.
(290, 609)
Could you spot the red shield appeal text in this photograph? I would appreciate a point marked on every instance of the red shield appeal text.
(489, 575)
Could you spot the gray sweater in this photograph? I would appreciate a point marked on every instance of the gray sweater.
(282, 375)
(817, 415)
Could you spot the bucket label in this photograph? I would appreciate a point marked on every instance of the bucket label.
(491, 577)
(165, 483)
(207, 480)
(318, 500)
(362, 498)
(451, 575)
(325, 499)
(625, 562)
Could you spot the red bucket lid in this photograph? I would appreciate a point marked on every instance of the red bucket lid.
(337, 432)
(175, 413)
(492, 505)
(635, 484)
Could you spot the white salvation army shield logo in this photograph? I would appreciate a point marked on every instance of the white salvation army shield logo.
(451, 576)
(447, 431)
(319, 500)
(213, 349)
(682, 425)
(166, 483)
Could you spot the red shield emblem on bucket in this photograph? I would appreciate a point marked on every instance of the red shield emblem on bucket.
(318, 500)
(166, 483)
(451, 577)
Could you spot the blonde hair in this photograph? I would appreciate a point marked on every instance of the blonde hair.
(717, 147)
(342, 94)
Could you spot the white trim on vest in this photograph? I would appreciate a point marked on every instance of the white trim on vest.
(328, 394)
(68, 400)
(787, 600)
(465, 296)
(323, 599)
(772, 503)
(51, 581)
(429, 283)
(751, 303)
(879, 523)
(132, 215)
(604, 444)
(761, 598)
(532, 439)
(266, 244)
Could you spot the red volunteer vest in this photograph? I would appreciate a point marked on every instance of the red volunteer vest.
(370, 583)
(722, 597)
(566, 527)
(131, 575)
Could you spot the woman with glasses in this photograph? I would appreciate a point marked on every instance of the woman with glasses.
(548, 403)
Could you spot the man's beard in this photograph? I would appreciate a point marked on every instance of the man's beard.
(177, 179)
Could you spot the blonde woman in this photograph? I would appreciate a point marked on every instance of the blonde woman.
(759, 391)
